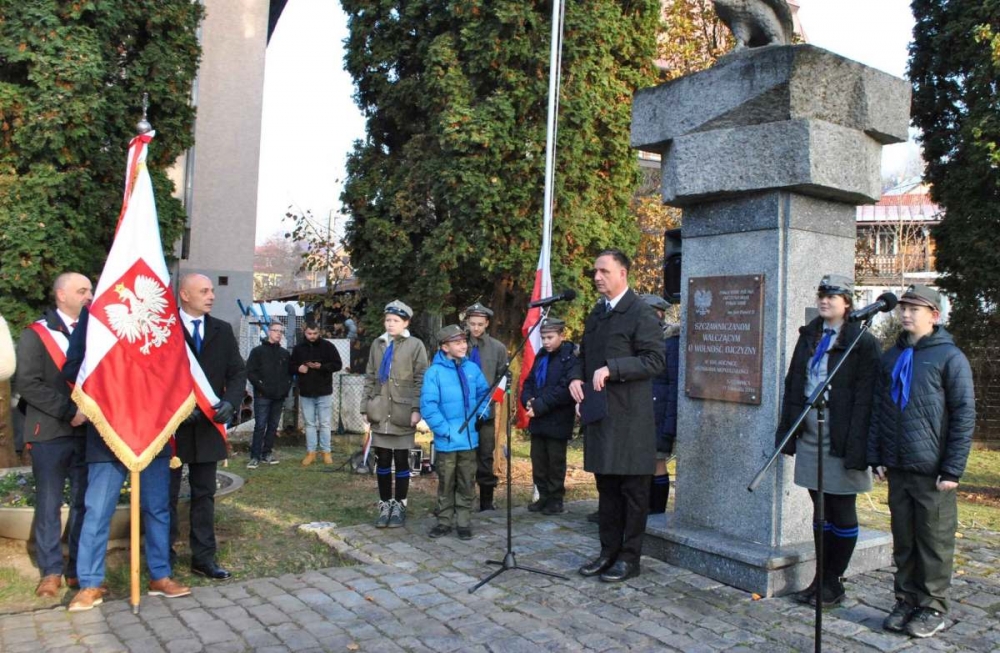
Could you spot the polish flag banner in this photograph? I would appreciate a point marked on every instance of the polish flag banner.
(542, 288)
(139, 380)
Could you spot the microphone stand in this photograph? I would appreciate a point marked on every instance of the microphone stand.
(510, 560)
(818, 401)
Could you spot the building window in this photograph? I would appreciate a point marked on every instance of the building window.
(223, 281)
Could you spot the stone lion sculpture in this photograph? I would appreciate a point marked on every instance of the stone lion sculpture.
(756, 23)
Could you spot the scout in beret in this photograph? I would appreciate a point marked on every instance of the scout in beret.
(453, 387)
(923, 418)
(491, 356)
(394, 376)
(822, 343)
(552, 412)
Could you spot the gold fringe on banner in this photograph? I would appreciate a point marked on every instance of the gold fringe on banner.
(121, 450)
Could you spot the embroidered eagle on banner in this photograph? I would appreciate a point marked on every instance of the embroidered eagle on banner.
(142, 315)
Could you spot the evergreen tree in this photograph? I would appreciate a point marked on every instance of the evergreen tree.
(72, 76)
(954, 70)
(445, 193)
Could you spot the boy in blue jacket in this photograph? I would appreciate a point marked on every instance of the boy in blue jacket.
(453, 387)
(552, 410)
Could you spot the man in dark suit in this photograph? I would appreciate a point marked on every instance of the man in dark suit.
(54, 430)
(621, 351)
(199, 443)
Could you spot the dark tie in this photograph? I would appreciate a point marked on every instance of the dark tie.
(196, 335)
(73, 325)
(607, 305)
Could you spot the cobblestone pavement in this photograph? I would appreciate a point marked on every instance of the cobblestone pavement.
(410, 593)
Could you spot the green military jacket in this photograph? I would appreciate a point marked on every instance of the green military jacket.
(388, 406)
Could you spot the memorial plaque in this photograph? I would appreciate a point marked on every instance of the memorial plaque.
(725, 338)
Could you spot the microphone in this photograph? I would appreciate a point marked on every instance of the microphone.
(885, 303)
(567, 295)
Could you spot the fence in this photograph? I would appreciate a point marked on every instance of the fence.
(985, 361)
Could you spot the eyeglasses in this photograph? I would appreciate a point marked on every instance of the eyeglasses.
(277, 329)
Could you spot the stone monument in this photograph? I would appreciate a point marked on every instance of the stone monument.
(768, 152)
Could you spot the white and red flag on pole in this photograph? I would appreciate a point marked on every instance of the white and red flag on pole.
(542, 288)
(139, 379)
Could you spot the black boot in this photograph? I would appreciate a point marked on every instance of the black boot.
(840, 543)
(808, 595)
(486, 498)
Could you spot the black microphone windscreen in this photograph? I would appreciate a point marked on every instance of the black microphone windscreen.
(890, 300)
(569, 294)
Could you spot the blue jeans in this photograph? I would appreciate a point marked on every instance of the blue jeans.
(318, 412)
(103, 489)
(266, 415)
(52, 462)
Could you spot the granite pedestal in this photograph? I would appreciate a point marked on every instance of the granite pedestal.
(768, 153)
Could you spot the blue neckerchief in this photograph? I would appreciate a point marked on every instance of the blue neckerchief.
(824, 344)
(474, 356)
(902, 377)
(541, 371)
(386, 364)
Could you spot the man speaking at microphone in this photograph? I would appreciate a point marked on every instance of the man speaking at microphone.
(620, 353)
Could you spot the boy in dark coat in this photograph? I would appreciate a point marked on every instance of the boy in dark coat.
(664, 405)
(923, 416)
(551, 408)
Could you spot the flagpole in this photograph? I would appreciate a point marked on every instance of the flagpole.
(555, 67)
(134, 541)
(142, 127)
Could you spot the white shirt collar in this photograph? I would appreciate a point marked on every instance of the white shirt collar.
(67, 320)
(614, 300)
(188, 319)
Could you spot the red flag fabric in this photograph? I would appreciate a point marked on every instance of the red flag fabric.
(542, 288)
(137, 382)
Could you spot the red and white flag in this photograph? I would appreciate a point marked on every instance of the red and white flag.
(139, 379)
(542, 288)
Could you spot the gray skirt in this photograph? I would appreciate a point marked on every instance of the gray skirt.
(836, 478)
(387, 441)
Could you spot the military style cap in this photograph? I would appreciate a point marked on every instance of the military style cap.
(656, 302)
(396, 307)
(922, 296)
(449, 333)
(836, 284)
(552, 324)
(478, 309)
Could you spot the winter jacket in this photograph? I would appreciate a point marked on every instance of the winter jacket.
(629, 341)
(849, 406)
(267, 370)
(665, 397)
(933, 435)
(45, 395)
(315, 382)
(8, 361)
(552, 404)
(388, 406)
(446, 408)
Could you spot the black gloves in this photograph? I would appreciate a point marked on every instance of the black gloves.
(223, 412)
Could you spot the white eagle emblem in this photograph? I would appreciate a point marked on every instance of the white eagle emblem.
(702, 302)
(143, 317)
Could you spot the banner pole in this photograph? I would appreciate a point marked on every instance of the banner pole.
(134, 541)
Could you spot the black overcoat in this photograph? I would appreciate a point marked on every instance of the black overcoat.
(629, 341)
(850, 402)
(220, 358)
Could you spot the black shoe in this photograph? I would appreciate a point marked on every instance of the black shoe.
(925, 622)
(553, 507)
(213, 572)
(596, 566)
(806, 596)
(594, 517)
(833, 593)
(901, 614)
(536, 506)
(464, 533)
(438, 531)
(620, 571)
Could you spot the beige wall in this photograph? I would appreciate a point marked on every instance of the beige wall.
(222, 202)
